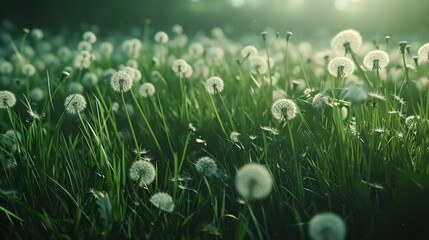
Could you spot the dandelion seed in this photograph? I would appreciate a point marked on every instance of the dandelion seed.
(377, 96)
(376, 59)
(215, 55)
(214, 85)
(253, 181)
(142, 172)
(121, 82)
(75, 87)
(75, 103)
(325, 226)
(234, 136)
(177, 29)
(346, 41)
(284, 109)
(28, 70)
(340, 67)
(249, 51)
(161, 37)
(270, 130)
(147, 89)
(206, 166)
(163, 201)
(7, 99)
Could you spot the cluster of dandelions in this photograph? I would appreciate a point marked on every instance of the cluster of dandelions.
(284, 109)
(142, 172)
(253, 181)
(7, 99)
(327, 225)
(75, 103)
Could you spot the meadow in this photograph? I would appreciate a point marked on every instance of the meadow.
(163, 135)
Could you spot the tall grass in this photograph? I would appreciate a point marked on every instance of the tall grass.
(66, 177)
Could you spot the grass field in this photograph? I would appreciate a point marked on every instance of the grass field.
(96, 127)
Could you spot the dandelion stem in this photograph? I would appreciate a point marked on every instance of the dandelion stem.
(130, 123)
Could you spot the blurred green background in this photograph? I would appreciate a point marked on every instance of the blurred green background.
(241, 17)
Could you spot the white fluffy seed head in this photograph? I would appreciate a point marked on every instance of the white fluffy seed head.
(258, 65)
(214, 85)
(89, 37)
(249, 51)
(423, 52)
(341, 67)
(327, 226)
(196, 50)
(253, 181)
(75, 103)
(147, 89)
(349, 37)
(206, 166)
(234, 136)
(162, 201)
(28, 70)
(142, 172)
(121, 82)
(161, 37)
(7, 99)
(284, 109)
(179, 66)
(6, 67)
(376, 59)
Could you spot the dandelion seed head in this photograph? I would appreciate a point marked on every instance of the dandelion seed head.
(206, 166)
(327, 226)
(179, 66)
(253, 181)
(142, 172)
(75, 103)
(84, 46)
(284, 109)
(214, 85)
(121, 82)
(7, 99)
(234, 136)
(75, 87)
(340, 67)
(6, 67)
(423, 52)
(376, 59)
(106, 49)
(28, 70)
(10, 137)
(258, 65)
(412, 121)
(161, 37)
(89, 37)
(215, 55)
(37, 34)
(377, 96)
(162, 201)
(249, 51)
(349, 38)
(90, 79)
(37, 94)
(147, 89)
(177, 29)
(196, 50)
(354, 94)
